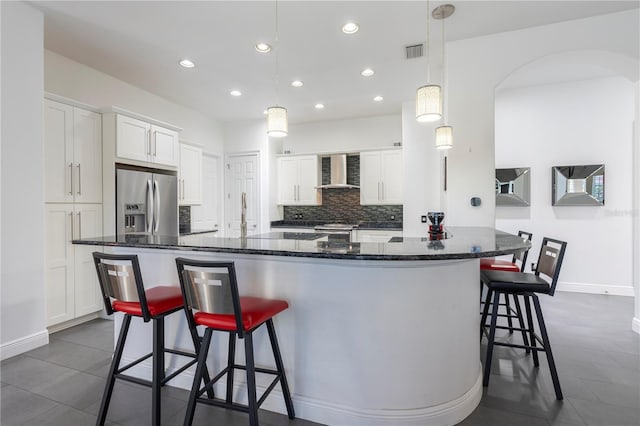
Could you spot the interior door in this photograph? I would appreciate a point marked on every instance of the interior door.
(242, 176)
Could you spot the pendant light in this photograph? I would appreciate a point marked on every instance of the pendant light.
(277, 125)
(428, 97)
(444, 133)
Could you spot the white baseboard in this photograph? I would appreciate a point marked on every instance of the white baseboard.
(72, 323)
(614, 290)
(331, 413)
(24, 344)
(635, 325)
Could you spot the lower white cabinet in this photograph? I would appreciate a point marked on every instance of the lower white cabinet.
(71, 280)
(376, 236)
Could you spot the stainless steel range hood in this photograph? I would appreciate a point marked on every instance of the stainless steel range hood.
(338, 173)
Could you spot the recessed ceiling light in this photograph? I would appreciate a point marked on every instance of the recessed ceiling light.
(350, 28)
(297, 83)
(319, 106)
(187, 63)
(378, 98)
(235, 93)
(263, 48)
(367, 72)
(265, 112)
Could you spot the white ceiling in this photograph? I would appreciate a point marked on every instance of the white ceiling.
(141, 43)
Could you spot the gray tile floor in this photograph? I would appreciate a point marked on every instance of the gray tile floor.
(597, 355)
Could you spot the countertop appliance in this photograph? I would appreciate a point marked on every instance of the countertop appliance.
(337, 231)
(146, 201)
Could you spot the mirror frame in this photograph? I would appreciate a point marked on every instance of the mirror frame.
(579, 185)
(518, 183)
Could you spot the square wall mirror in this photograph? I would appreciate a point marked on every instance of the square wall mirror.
(513, 187)
(578, 185)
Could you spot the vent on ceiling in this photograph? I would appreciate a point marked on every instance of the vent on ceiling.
(414, 51)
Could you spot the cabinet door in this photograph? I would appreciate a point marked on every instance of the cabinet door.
(164, 146)
(190, 184)
(58, 152)
(373, 236)
(87, 154)
(88, 221)
(370, 178)
(208, 214)
(308, 180)
(132, 138)
(287, 180)
(59, 263)
(391, 164)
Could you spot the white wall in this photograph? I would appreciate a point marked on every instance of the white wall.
(421, 173)
(477, 66)
(584, 122)
(22, 287)
(76, 81)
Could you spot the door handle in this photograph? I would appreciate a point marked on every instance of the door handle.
(156, 204)
(70, 178)
(148, 217)
(79, 180)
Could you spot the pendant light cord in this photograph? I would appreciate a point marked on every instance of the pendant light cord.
(277, 49)
(444, 76)
(427, 46)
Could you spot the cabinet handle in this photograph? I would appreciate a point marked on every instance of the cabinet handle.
(149, 142)
(382, 187)
(70, 178)
(79, 180)
(378, 191)
(183, 189)
(79, 225)
(155, 145)
(71, 220)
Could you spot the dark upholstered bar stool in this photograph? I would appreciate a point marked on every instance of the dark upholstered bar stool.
(517, 264)
(211, 289)
(526, 285)
(123, 291)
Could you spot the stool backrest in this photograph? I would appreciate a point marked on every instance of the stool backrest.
(550, 260)
(210, 287)
(120, 279)
(522, 256)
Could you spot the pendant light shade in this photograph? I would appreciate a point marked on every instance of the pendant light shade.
(428, 103)
(277, 126)
(444, 137)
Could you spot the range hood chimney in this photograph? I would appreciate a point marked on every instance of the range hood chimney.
(338, 173)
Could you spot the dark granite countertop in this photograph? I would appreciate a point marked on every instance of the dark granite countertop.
(464, 243)
(197, 231)
(391, 225)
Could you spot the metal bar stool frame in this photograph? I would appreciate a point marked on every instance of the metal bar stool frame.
(120, 278)
(222, 299)
(526, 285)
(510, 312)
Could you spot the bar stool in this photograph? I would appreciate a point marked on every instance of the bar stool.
(493, 264)
(123, 291)
(526, 285)
(211, 288)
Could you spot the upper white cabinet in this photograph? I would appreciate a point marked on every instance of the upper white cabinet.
(190, 183)
(142, 141)
(381, 177)
(298, 178)
(73, 154)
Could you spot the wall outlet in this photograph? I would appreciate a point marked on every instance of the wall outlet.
(423, 219)
(392, 217)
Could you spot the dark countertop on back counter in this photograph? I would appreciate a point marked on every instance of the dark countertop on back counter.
(391, 225)
(196, 231)
(464, 243)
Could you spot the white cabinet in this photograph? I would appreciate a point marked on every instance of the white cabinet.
(381, 177)
(208, 215)
(376, 236)
(73, 154)
(72, 283)
(142, 141)
(298, 178)
(190, 180)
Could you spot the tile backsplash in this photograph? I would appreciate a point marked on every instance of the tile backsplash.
(343, 205)
(184, 218)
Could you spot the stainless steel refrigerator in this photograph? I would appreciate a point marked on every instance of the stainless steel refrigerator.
(146, 201)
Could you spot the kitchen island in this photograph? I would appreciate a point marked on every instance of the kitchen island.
(376, 333)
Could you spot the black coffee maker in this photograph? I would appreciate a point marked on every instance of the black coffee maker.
(436, 230)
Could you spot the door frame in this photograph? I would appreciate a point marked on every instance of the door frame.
(227, 166)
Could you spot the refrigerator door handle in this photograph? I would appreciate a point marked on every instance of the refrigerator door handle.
(148, 224)
(156, 205)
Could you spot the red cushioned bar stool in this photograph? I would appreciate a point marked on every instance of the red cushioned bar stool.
(211, 289)
(517, 264)
(123, 291)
